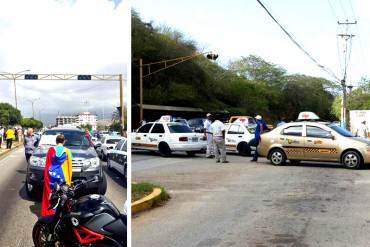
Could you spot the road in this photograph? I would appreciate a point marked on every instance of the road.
(18, 213)
(249, 204)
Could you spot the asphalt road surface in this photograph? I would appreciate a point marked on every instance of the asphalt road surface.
(18, 213)
(252, 204)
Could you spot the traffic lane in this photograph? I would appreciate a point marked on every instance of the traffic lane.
(18, 213)
(256, 204)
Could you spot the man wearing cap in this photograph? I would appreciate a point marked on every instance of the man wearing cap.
(208, 135)
(257, 137)
(218, 132)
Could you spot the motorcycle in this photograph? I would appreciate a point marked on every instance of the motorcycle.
(91, 220)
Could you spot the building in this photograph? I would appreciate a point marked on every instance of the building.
(78, 120)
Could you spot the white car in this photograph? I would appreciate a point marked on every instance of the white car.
(168, 137)
(237, 136)
(117, 158)
(108, 143)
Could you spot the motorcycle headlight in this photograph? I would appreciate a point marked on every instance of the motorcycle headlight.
(37, 161)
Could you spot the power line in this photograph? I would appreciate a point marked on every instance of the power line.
(327, 70)
(333, 11)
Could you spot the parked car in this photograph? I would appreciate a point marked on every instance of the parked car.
(197, 124)
(168, 137)
(117, 158)
(237, 136)
(85, 162)
(108, 143)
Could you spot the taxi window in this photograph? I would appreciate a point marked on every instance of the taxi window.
(158, 129)
(235, 129)
(313, 131)
(293, 131)
(179, 128)
(124, 146)
(118, 147)
(145, 128)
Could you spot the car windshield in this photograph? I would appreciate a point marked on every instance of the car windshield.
(179, 128)
(113, 141)
(341, 131)
(73, 138)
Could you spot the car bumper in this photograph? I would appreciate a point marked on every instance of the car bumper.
(188, 147)
(36, 177)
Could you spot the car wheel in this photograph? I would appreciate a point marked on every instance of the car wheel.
(244, 149)
(164, 149)
(31, 190)
(191, 153)
(102, 188)
(277, 157)
(352, 160)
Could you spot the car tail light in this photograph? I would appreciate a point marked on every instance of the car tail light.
(183, 139)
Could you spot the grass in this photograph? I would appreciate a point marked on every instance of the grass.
(140, 190)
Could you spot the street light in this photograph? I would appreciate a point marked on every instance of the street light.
(167, 64)
(32, 103)
(15, 86)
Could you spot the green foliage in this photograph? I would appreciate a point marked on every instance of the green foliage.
(86, 126)
(31, 123)
(115, 126)
(247, 86)
(9, 115)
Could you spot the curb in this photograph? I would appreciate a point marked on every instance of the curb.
(146, 202)
(7, 151)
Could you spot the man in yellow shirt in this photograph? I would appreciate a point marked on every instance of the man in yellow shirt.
(9, 138)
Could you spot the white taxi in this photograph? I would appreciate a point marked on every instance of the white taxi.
(237, 136)
(168, 137)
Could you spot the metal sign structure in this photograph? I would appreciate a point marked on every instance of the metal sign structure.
(71, 77)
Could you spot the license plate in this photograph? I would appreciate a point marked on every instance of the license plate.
(195, 139)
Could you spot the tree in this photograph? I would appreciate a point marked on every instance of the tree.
(115, 126)
(9, 115)
(31, 123)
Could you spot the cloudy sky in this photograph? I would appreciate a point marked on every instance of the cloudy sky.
(237, 28)
(64, 36)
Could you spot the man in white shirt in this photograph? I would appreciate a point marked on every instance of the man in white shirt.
(363, 131)
(208, 135)
(218, 132)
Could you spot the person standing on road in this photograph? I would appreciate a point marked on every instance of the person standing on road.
(208, 135)
(9, 138)
(1, 135)
(257, 137)
(218, 132)
(362, 131)
(58, 169)
(30, 143)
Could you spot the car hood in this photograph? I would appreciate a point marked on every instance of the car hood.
(86, 153)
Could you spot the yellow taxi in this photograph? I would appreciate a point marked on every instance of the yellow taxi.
(312, 140)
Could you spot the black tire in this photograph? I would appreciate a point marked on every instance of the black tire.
(102, 188)
(295, 162)
(40, 232)
(164, 149)
(277, 157)
(31, 190)
(352, 160)
(244, 149)
(191, 153)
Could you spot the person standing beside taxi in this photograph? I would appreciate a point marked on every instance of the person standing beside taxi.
(208, 135)
(257, 137)
(218, 132)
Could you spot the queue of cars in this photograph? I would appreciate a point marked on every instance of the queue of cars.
(85, 159)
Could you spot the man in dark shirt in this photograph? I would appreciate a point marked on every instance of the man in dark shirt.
(257, 137)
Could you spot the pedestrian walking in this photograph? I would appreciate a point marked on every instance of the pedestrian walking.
(30, 143)
(363, 131)
(58, 169)
(218, 132)
(209, 136)
(257, 137)
(20, 134)
(2, 132)
(9, 138)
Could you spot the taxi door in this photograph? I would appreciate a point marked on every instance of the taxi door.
(141, 137)
(156, 135)
(320, 144)
(233, 135)
(293, 142)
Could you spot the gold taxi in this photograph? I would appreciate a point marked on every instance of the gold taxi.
(314, 141)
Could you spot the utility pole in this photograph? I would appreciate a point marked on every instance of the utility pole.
(347, 37)
(32, 103)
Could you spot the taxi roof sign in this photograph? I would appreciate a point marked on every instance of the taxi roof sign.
(165, 118)
(307, 115)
